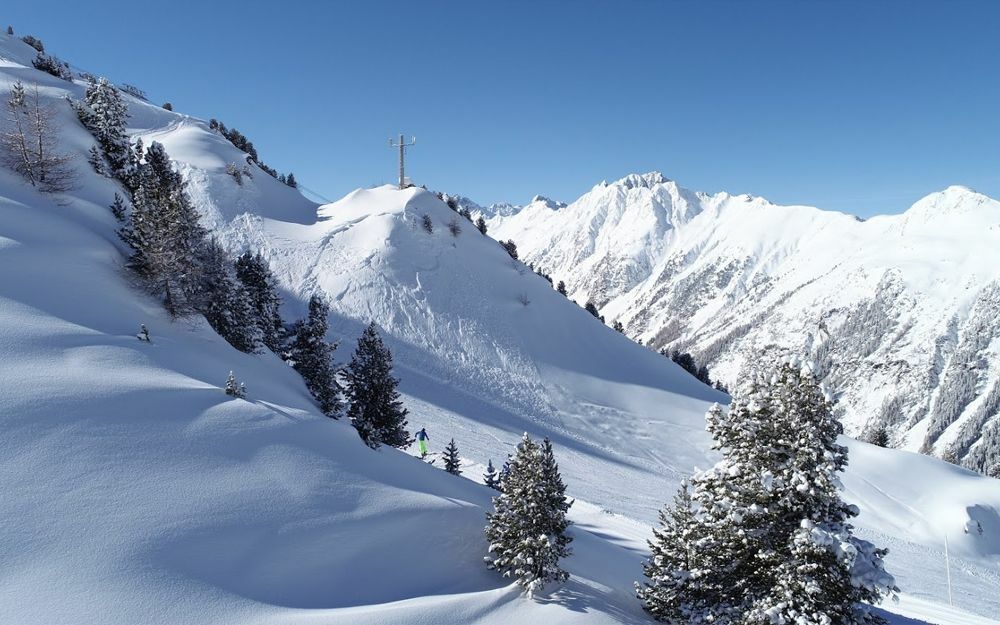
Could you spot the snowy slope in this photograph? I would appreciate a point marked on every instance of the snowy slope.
(134, 490)
(898, 310)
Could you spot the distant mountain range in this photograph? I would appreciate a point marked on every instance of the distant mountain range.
(900, 312)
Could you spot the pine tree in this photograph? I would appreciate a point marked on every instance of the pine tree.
(510, 247)
(165, 232)
(675, 591)
(290, 181)
(97, 161)
(452, 463)
(773, 539)
(520, 530)
(312, 356)
(255, 274)
(617, 326)
(879, 436)
(592, 309)
(105, 113)
(504, 472)
(118, 208)
(375, 408)
(490, 477)
(481, 224)
(561, 288)
(234, 389)
(225, 303)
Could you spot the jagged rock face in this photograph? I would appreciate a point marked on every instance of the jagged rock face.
(899, 312)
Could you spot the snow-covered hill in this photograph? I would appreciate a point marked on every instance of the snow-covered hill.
(899, 311)
(134, 490)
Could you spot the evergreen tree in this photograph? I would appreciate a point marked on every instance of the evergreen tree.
(617, 326)
(10, 30)
(510, 247)
(481, 224)
(490, 476)
(312, 356)
(375, 408)
(290, 181)
(96, 159)
(520, 530)
(165, 232)
(879, 436)
(556, 489)
(452, 463)
(225, 302)
(105, 114)
(504, 472)
(675, 591)
(255, 274)
(234, 389)
(774, 543)
(592, 309)
(561, 288)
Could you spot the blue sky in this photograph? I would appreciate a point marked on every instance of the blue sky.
(856, 106)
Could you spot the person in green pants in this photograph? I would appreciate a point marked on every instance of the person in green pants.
(422, 439)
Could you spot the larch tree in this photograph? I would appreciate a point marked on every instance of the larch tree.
(29, 142)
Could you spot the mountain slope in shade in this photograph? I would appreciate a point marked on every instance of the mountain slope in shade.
(898, 311)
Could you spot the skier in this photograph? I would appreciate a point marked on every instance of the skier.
(422, 439)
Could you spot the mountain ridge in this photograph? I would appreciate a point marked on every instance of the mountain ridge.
(689, 271)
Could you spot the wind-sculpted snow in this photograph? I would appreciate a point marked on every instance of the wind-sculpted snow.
(135, 491)
(896, 307)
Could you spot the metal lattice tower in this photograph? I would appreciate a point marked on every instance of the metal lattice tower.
(402, 145)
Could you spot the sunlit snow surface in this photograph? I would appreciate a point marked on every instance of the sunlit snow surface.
(132, 490)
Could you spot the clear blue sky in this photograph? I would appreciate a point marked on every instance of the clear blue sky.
(855, 106)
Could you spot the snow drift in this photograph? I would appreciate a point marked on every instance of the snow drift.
(134, 490)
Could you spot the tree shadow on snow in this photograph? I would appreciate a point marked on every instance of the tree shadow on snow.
(579, 597)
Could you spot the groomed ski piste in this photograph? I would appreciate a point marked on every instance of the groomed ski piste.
(135, 491)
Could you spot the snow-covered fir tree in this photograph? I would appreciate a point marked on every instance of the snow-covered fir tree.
(555, 490)
(504, 472)
(375, 408)
(255, 274)
(452, 463)
(481, 224)
(234, 388)
(164, 231)
(225, 302)
(104, 113)
(675, 591)
(490, 476)
(312, 356)
(772, 538)
(520, 530)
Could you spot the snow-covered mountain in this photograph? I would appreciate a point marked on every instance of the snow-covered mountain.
(134, 490)
(899, 311)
